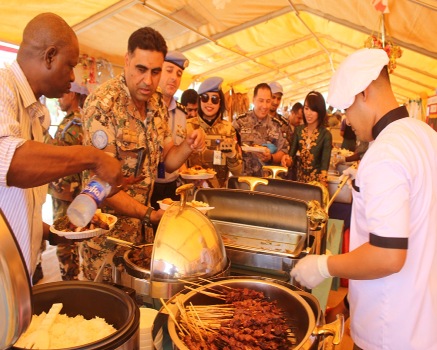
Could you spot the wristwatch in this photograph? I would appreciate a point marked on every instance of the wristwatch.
(146, 218)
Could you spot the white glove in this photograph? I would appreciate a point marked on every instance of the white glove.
(351, 172)
(311, 270)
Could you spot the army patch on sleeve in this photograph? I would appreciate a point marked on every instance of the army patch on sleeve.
(100, 139)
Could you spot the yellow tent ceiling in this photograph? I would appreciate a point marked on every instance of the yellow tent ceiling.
(295, 42)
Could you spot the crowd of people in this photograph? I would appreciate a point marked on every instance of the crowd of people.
(133, 133)
(135, 119)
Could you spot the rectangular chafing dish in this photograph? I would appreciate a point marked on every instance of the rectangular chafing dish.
(258, 229)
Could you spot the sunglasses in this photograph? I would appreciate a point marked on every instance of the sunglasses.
(214, 99)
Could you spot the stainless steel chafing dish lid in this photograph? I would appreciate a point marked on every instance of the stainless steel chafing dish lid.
(186, 245)
(258, 222)
(255, 208)
(286, 188)
(15, 288)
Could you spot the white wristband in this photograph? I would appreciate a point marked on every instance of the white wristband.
(322, 264)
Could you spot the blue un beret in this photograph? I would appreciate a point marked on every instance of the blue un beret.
(177, 59)
(210, 84)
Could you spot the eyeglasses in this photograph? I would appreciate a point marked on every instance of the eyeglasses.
(214, 99)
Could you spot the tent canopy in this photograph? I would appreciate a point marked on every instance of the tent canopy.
(298, 43)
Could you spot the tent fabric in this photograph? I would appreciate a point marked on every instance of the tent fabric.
(298, 43)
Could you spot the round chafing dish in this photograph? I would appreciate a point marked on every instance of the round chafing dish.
(186, 247)
(302, 308)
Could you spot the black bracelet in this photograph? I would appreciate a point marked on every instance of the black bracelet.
(146, 218)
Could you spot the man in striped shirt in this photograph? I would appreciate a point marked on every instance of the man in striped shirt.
(44, 67)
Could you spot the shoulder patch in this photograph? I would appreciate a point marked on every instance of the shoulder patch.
(241, 116)
(99, 139)
(280, 122)
(181, 107)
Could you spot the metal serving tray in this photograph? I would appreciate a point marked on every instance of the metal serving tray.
(261, 239)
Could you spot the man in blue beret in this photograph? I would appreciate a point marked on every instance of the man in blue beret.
(171, 76)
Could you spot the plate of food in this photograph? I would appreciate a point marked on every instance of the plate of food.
(99, 224)
(197, 173)
(201, 206)
(254, 148)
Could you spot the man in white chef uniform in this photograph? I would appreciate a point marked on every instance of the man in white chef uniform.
(393, 239)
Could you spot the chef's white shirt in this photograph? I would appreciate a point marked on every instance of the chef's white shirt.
(397, 179)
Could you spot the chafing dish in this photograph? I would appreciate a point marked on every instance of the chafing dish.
(302, 309)
(186, 247)
(260, 231)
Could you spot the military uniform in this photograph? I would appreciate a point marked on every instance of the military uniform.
(64, 190)
(253, 131)
(113, 124)
(177, 122)
(216, 134)
(284, 125)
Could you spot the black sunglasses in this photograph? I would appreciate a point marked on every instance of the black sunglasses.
(214, 99)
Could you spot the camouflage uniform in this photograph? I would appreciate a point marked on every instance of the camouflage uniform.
(284, 124)
(112, 123)
(64, 190)
(253, 131)
(215, 134)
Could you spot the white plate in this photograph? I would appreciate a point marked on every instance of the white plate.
(164, 206)
(202, 176)
(84, 234)
(259, 149)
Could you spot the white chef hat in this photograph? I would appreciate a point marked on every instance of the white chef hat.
(355, 74)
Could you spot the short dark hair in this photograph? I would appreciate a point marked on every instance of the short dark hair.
(147, 38)
(189, 96)
(296, 107)
(315, 101)
(261, 86)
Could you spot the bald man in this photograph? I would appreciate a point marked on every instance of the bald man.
(44, 66)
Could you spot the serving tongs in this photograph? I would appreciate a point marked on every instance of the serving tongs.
(339, 188)
(123, 243)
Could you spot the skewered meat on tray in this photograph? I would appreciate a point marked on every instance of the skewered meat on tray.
(248, 320)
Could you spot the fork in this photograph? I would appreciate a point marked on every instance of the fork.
(40, 338)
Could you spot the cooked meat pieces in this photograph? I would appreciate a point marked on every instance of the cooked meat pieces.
(257, 323)
(141, 256)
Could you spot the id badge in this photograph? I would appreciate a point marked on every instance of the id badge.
(217, 158)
